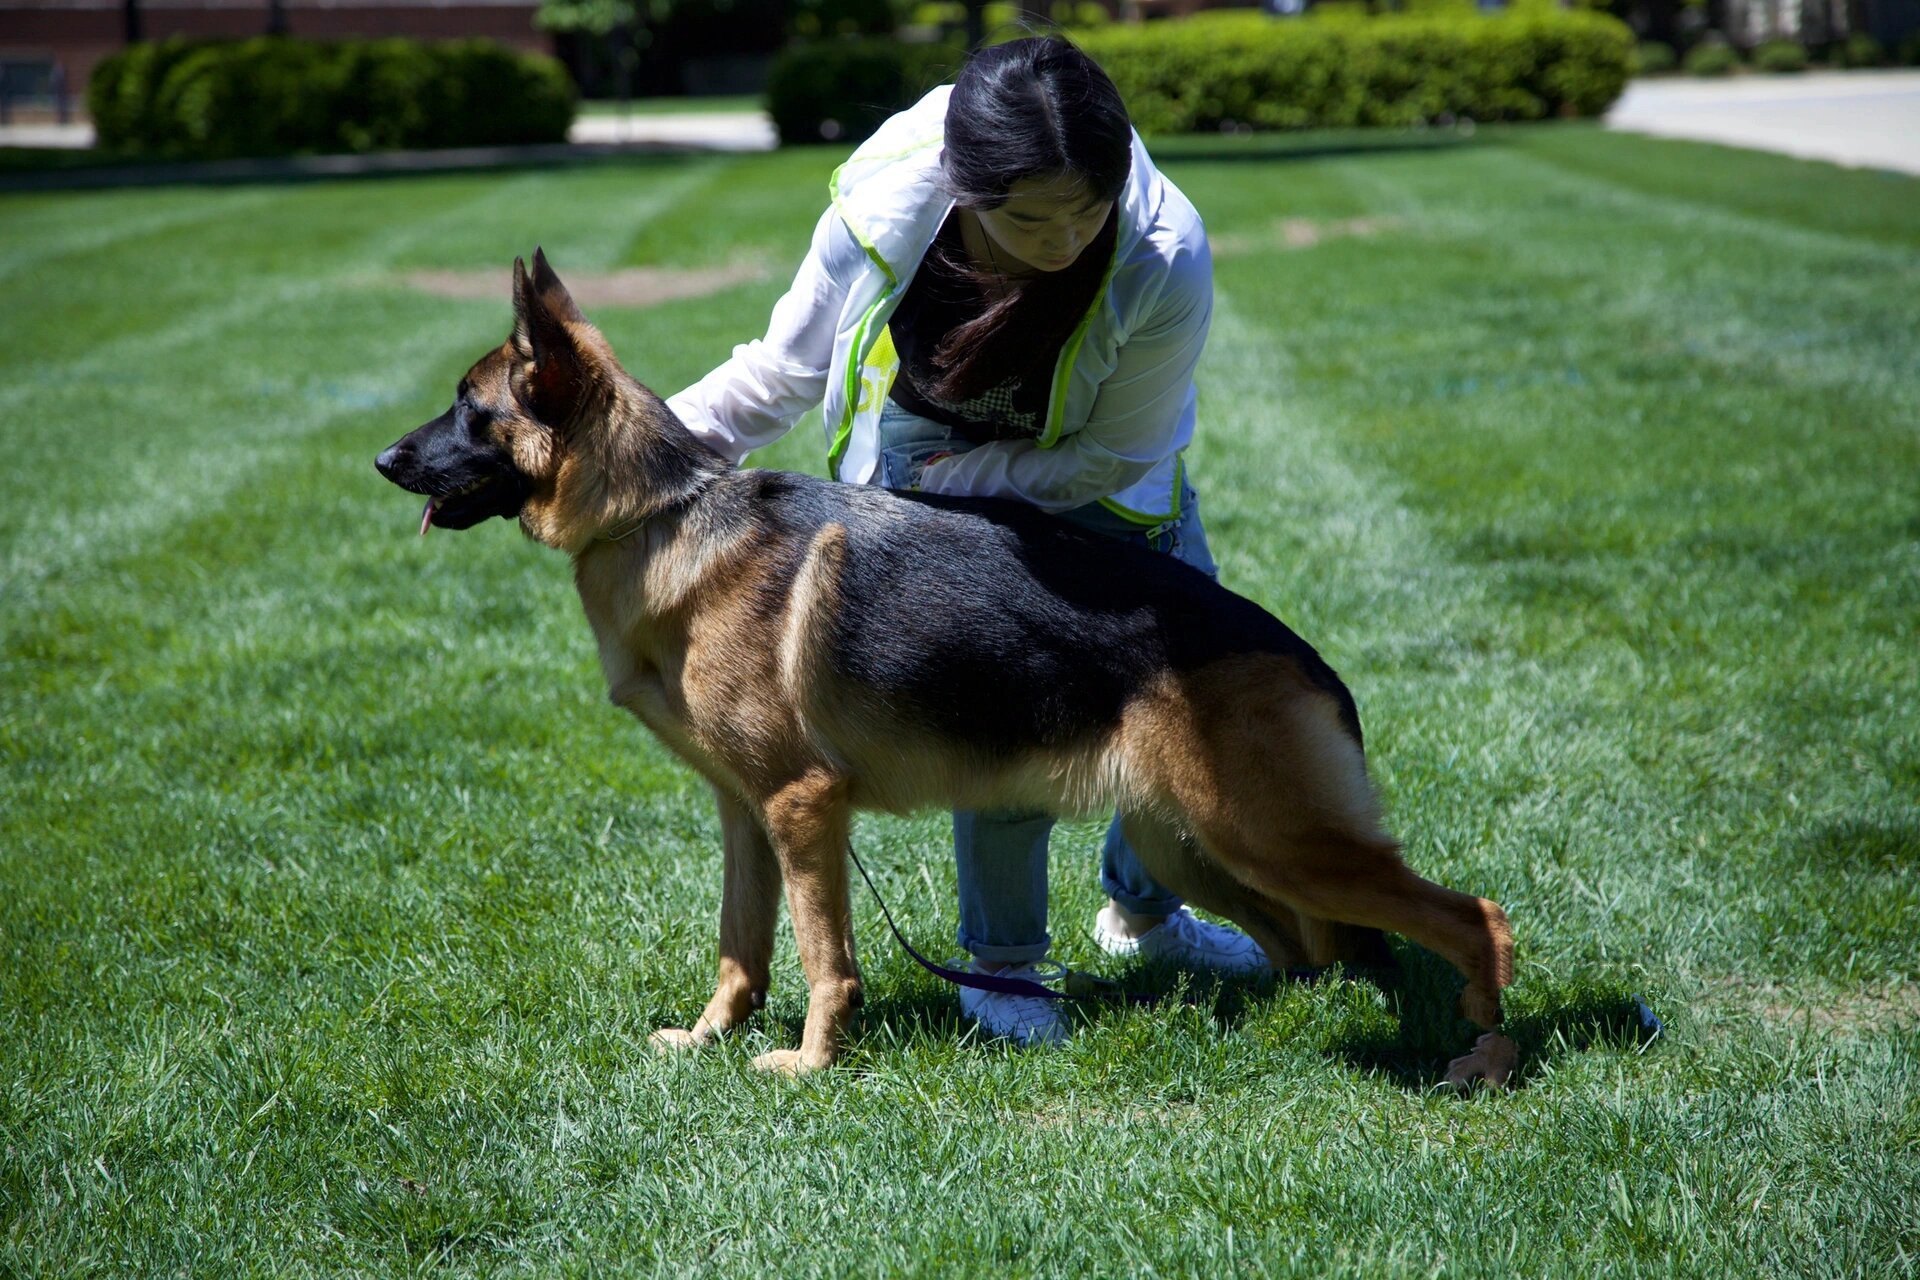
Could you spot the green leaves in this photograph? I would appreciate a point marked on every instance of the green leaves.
(1231, 71)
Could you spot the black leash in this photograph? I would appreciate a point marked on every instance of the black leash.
(1080, 986)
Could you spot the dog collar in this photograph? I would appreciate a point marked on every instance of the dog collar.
(623, 531)
(626, 531)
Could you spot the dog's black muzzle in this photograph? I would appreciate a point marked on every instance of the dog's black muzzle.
(465, 478)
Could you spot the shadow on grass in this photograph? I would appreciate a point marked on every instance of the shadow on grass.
(45, 159)
(1425, 1033)
(932, 1008)
(1409, 1043)
(25, 170)
(1861, 844)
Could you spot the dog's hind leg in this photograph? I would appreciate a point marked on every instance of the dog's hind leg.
(1328, 942)
(1177, 862)
(749, 904)
(808, 821)
(1360, 880)
(1291, 938)
(1274, 783)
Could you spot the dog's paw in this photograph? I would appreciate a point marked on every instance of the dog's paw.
(674, 1040)
(784, 1062)
(1493, 1059)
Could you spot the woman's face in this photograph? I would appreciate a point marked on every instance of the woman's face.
(1045, 222)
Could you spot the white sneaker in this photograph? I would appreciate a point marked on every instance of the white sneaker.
(1182, 939)
(1025, 1020)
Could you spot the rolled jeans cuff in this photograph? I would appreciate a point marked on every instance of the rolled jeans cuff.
(1135, 905)
(1128, 883)
(1025, 953)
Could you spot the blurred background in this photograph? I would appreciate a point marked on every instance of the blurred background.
(206, 79)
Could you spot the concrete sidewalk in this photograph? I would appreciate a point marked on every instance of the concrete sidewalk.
(1867, 119)
(692, 130)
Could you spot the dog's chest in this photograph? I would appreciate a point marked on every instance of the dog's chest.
(653, 698)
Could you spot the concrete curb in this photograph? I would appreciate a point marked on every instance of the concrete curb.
(323, 168)
(592, 138)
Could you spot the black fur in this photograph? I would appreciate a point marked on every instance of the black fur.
(455, 454)
(1006, 626)
(932, 615)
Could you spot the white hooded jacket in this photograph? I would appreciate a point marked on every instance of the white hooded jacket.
(1122, 403)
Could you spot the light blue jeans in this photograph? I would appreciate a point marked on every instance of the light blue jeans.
(1001, 856)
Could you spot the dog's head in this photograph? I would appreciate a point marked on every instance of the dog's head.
(504, 447)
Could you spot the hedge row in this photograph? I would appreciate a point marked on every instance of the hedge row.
(1233, 69)
(839, 90)
(214, 99)
(1239, 69)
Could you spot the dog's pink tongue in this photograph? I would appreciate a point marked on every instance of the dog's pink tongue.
(426, 518)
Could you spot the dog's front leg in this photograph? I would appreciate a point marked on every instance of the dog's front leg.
(749, 903)
(808, 822)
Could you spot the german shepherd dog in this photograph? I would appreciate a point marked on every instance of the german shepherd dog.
(814, 648)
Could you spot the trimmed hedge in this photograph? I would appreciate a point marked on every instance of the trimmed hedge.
(1654, 58)
(840, 90)
(1232, 70)
(1713, 56)
(1782, 57)
(216, 99)
(1860, 50)
(1246, 70)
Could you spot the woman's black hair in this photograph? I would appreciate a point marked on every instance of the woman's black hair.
(1032, 108)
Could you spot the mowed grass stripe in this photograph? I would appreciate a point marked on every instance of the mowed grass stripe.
(1835, 314)
(1516, 364)
(100, 316)
(1590, 902)
(255, 265)
(1602, 583)
(140, 484)
(338, 903)
(1829, 199)
(1830, 320)
(42, 231)
(189, 403)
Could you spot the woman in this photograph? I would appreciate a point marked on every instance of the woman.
(1005, 299)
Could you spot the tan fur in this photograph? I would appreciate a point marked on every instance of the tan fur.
(1243, 790)
(806, 633)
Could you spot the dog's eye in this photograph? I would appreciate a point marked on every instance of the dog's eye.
(472, 420)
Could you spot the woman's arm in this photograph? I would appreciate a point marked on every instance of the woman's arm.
(756, 396)
(1142, 413)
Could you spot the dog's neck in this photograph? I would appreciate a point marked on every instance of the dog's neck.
(669, 506)
(632, 461)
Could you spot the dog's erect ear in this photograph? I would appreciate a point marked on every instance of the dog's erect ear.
(543, 312)
(551, 291)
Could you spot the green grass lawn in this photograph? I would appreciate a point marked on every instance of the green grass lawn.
(337, 903)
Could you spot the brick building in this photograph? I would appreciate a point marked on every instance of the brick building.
(51, 46)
